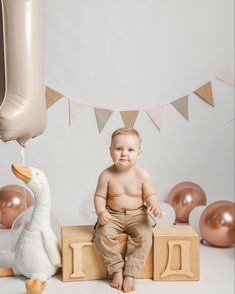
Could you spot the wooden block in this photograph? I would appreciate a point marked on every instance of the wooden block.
(176, 253)
(81, 259)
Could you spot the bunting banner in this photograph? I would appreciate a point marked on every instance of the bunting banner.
(226, 76)
(155, 115)
(52, 96)
(181, 105)
(205, 92)
(102, 116)
(129, 116)
(75, 109)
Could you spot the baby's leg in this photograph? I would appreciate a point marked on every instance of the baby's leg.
(108, 245)
(138, 246)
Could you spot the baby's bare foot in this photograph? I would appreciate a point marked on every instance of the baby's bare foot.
(117, 280)
(129, 284)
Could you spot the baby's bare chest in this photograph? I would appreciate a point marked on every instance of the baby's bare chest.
(129, 185)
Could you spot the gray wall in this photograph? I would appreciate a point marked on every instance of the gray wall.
(126, 55)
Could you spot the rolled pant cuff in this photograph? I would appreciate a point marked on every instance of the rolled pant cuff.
(115, 269)
(132, 273)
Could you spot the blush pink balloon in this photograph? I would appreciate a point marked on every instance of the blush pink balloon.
(217, 223)
(183, 198)
(12, 203)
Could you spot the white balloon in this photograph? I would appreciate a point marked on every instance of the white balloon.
(21, 219)
(168, 217)
(6, 255)
(194, 217)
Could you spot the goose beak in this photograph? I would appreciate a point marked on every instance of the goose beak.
(23, 173)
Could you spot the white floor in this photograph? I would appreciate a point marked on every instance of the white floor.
(216, 266)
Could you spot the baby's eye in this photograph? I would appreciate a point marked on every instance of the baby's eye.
(131, 149)
(118, 148)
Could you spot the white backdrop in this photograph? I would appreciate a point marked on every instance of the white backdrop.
(125, 55)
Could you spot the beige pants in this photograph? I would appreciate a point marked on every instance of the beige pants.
(136, 224)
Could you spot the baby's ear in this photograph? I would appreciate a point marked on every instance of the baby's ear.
(140, 151)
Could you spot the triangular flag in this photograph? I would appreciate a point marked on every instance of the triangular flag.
(102, 116)
(205, 92)
(129, 117)
(52, 96)
(75, 109)
(156, 116)
(226, 76)
(181, 105)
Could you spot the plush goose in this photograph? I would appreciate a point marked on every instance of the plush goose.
(37, 253)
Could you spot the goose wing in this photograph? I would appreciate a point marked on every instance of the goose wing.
(51, 246)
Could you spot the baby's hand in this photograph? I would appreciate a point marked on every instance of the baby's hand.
(155, 210)
(104, 217)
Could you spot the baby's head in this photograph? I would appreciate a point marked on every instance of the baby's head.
(125, 147)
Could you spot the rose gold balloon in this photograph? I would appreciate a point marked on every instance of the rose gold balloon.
(217, 223)
(12, 203)
(184, 197)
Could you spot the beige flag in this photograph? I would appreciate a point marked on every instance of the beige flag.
(52, 96)
(205, 92)
(156, 116)
(75, 109)
(102, 116)
(181, 105)
(129, 117)
(226, 76)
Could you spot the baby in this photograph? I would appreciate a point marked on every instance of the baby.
(122, 190)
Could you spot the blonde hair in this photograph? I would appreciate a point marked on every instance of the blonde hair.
(126, 131)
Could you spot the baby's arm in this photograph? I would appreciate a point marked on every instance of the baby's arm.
(100, 199)
(150, 197)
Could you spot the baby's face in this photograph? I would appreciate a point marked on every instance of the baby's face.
(125, 150)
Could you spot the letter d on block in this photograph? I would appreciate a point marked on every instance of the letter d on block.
(184, 259)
